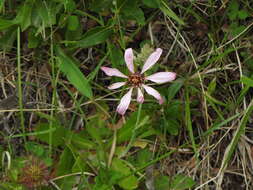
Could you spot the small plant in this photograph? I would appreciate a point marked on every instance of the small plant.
(34, 174)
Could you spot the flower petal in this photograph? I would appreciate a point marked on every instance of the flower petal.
(162, 77)
(152, 59)
(124, 102)
(113, 72)
(153, 92)
(129, 57)
(116, 85)
(140, 97)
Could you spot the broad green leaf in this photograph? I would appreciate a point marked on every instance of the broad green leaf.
(79, 165)
(233, 9)
(173, 89)
(58, 133)
(44, 13)
(8, 38)
(95, 36)
(73, 23)
(80, 142)
(151, 3)
(130, 182)
(35, 148)
(69, 5)
(116, 55)
(33, 41)
(66, 162)
(120, 166)
(162, 182)
(99, 6)
(133, 13)
(172, 126)
(64, 167)
(181, 182)
(143, 157)
(4, 24)
(72, 72)
(168, 12)
(242, 14)
(24, 15)
(125, 133)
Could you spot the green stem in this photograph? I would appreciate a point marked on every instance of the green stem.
(134, 132)
(20, 93)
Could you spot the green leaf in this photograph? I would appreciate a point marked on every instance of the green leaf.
(242, 14)
(79, 165)
(66, 162)
(35, 148)
(143, 157)
(44, 13)
(95, 36)
(151, 3)
(33, 41)
(99, 6)
(233, 9)
(4, 24)
(24, 15)
(73, 74)
(69, 5)
(80, 142)
(73, 23)
(8, 38)
(133, 12)
(181, 182)
(247, 81)
(168, 12)
(64, 167)
(125, 133)
(162, 182)
(173, 89)
(172, 126)
(130, 182)
(58, 133)
(212, 86)
(116, 55)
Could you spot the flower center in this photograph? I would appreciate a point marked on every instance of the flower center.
(135, 79)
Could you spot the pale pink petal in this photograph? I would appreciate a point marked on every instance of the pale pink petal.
(162, 77)
(124, 102)
(113, 72)
(152, 59)
(116, 85)
(153, 92)
(129, 57)
(140, 97)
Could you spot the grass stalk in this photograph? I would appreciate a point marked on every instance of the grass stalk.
(20, 93)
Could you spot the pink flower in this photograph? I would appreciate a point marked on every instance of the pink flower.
(137, 79)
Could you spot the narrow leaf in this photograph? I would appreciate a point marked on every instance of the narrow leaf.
(168, 12)
(72, 72)
(95, 36)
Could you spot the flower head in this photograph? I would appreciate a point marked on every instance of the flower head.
(34, 174)
(136, 80)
